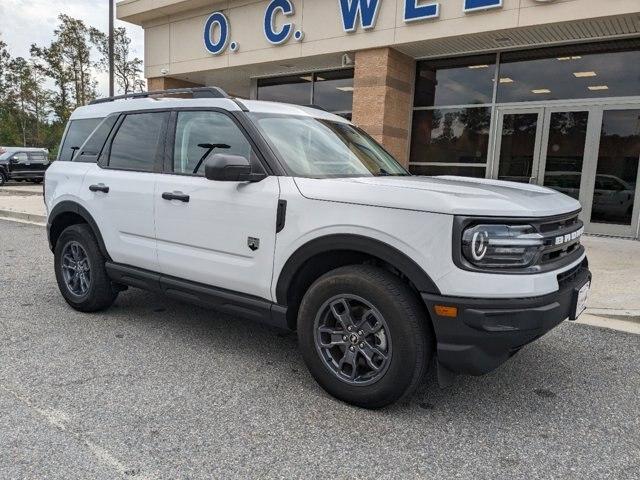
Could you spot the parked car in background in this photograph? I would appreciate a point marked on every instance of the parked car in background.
(23, 164)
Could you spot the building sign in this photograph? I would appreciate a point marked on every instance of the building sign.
(354, 14)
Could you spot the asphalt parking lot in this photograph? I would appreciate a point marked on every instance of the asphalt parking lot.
(158, 389)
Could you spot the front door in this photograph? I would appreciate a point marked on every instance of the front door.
(216, 233)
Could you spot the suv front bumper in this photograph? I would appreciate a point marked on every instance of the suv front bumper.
(487, 332)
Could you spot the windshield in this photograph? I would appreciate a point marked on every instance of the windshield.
(319, 148)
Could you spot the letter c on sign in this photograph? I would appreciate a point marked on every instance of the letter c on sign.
(277, 37)
(218, 20)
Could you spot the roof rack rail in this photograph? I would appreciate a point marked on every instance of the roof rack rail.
(197, 92)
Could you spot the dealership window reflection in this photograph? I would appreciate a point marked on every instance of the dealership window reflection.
(466, 81)
(453, 140)
(617, 173)
(329, 90)
(568, 74)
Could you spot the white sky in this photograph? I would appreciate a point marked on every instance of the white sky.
(23, 22)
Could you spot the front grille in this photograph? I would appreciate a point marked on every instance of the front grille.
(561, 236)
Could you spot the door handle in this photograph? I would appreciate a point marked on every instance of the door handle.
(181, 197)
(99, 188)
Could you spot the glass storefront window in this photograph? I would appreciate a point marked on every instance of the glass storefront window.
(451, 136)
(568, 74)
(333, 91)
(466, 81)
(617, 174)
(293, 89)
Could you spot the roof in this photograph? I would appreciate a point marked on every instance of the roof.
(101, 110)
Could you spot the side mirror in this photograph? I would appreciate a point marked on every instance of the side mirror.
(230, 168)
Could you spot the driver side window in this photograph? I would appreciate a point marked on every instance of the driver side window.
(201, 134)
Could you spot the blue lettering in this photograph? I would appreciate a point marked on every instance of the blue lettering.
(273, 36)
(218, 20)
(366, 9)
(473, 5)
(414, 12)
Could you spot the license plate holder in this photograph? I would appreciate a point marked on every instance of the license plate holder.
(580, 299)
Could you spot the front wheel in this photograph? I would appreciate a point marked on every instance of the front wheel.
(364, 336)
(80, 270)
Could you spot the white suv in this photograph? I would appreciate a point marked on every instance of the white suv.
(294, 217)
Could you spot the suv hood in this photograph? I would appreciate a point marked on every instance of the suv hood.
(447, 194)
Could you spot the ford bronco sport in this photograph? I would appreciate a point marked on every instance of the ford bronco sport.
(295, 217)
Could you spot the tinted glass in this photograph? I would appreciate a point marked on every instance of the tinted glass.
(77, 133)
(319, 148)
(201, 133)
(137, 144)
(570, 75)
(451, 135)
(518, 145)
(615, 188)
(21, 157)
(294, 89)
(333, 91)
(433, 170)
(38, 157)
(455, 82)
(96, 141)
(565, 151)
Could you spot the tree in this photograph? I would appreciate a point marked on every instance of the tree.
(127, 72)
(75, 49)
(51, 63)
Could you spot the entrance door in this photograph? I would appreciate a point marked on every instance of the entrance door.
(550, 146)
(613, 205)
(518, 144)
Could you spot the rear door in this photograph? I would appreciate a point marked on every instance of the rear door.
(120, 188)
(39, 163)
(221, 233)
(20, 165)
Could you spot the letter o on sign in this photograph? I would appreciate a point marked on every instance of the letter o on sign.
(216, 21)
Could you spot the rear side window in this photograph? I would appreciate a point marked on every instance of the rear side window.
(138, 142)
(21, 157)
(38, 157)
(93, 146)
(77, 134)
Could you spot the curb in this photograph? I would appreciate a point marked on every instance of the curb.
(22, 216)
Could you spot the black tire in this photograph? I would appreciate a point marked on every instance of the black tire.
(3, 179)
(410, 336)
(100, 292)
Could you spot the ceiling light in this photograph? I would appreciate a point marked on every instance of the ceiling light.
(320, 79)
(595, 88)
(506, 80)
(474, 67)
(308, 78)
(565, 59)
(345, 89)
(585, 74)
(541, 90)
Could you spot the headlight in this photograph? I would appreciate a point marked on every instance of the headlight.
(501, 246)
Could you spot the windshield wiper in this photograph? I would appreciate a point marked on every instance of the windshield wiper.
(209, 147)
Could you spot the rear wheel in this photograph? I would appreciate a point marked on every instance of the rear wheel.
(80, 270)
(364, 336)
